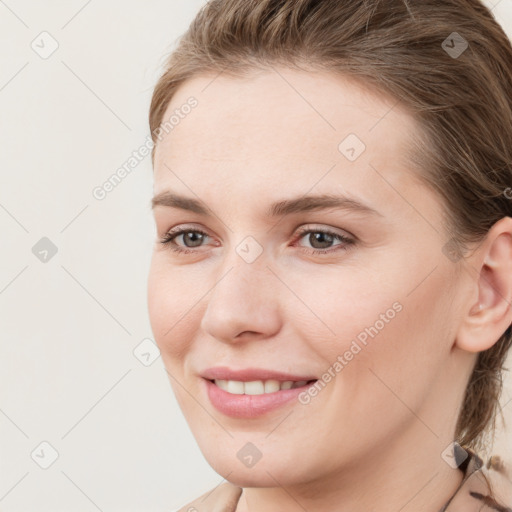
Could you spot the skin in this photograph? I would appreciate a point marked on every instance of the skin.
(372, 439)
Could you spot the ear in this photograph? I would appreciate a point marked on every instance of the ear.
(491, 270)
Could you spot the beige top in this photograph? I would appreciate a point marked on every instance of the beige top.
(473, 494)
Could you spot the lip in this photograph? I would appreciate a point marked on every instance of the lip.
(250, 406)
(250, 374)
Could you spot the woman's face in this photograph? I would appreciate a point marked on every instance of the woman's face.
(359, 295)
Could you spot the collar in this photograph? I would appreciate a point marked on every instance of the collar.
(483, 487)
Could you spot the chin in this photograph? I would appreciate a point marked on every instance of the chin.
(254, 478)
(265, 473)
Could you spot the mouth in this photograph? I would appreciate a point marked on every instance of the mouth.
(259, 387)
(254, 398)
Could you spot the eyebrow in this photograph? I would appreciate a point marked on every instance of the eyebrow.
(278, 209)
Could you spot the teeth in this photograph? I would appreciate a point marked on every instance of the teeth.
(271, 386)
(257, 387)
(235, 387)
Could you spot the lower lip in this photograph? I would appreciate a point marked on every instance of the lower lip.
(250, 406)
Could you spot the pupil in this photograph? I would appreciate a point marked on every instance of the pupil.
(320, 237)
(195, 238)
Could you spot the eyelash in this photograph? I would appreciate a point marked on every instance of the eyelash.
(168, 240)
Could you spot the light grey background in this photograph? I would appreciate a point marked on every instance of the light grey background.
(69, 325)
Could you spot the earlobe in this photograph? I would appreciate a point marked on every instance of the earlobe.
(491, 314)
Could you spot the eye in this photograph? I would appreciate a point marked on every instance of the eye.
(322, 239)
(191, 237)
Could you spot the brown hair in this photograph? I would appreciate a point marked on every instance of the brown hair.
(461, 98)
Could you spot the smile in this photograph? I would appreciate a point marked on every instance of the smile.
(257, 387)
(250, 399)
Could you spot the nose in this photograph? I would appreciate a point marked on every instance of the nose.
(243, 304)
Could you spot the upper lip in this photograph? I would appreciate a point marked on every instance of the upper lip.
(250, 374)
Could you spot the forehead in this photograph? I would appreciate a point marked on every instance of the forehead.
(279, 128)
(284, 102)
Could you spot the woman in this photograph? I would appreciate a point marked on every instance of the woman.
(331, 286)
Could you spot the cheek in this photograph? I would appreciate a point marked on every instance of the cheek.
(171, 306)
(365, 327)
(171, 314)
(339, 307)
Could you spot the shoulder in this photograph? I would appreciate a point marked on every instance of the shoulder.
(225, 495)
(486, 486)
